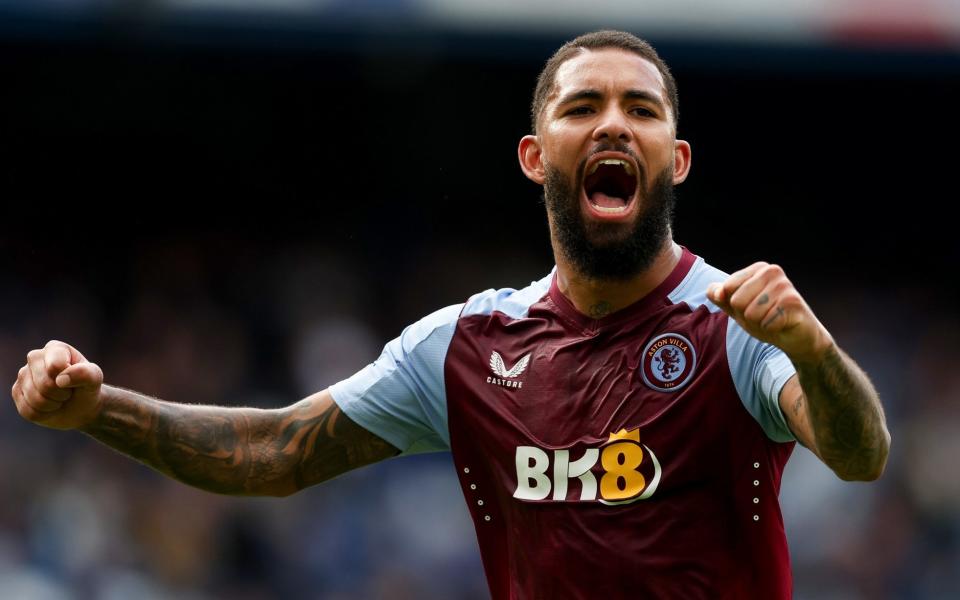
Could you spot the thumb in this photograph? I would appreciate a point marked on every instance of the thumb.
(85, 374)
(715, 294)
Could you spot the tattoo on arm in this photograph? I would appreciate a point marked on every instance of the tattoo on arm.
(238, 450)
(848, 423)
(333, 443)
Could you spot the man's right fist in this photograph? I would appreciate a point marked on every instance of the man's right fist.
(58, 387)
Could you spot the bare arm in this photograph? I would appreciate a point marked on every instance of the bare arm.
(833, 409)
(225, 450)
(830, 404)
(244, 451)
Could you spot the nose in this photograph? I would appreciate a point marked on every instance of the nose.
(612, 126)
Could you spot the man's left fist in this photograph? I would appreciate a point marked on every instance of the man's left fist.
(764, 302)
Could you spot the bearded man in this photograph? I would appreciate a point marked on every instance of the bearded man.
(619, 427)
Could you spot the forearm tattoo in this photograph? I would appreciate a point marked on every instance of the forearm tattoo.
(237, 450)
(846, 416)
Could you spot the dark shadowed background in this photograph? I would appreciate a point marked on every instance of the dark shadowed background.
(243, 209)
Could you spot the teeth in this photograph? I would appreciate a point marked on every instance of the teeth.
(627, 166)
(610, 210)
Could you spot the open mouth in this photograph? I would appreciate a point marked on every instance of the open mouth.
(610, 185)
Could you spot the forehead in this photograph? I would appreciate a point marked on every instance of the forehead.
(609, 70)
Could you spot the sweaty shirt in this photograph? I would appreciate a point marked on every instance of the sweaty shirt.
(634, 456)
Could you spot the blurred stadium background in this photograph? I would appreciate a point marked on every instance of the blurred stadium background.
(240, 201)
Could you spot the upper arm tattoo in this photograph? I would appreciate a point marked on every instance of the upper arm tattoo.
(331, 443)
(793, 404)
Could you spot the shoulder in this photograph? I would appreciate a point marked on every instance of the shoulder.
(429, 326)
(438, 326)
(514, 303)
(692, 289)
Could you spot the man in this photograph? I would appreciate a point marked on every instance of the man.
(619, 427)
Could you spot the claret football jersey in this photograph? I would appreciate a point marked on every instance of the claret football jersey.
(634, 456)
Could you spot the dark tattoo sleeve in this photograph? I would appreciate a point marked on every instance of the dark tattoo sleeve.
(244, 451)
(846, 416)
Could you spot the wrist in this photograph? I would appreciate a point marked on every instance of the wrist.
(90, 417)
(814, 355)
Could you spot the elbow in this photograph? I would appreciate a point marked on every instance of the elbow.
(285, 492)
(866, 476)
(280, 490)
(873, 464)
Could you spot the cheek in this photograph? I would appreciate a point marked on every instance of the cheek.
(659, 158)
(560, 156)
(561, 140)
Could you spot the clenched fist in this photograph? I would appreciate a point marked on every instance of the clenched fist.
(768, 307)
(58, 387)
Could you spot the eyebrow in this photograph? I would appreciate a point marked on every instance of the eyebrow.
(592, 94)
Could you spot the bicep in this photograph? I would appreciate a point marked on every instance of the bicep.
(326, 442)
(793, 404)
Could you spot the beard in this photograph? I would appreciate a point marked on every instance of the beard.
(609, 251)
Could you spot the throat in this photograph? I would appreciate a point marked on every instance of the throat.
(598, 298)
(600, 309)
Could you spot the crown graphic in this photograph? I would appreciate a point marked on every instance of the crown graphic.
(623, 434)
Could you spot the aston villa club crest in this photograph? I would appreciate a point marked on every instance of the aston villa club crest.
(668, 362)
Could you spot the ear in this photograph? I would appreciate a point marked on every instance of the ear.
(530, 154)
(681, 160)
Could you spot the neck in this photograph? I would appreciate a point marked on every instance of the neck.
(599, 298)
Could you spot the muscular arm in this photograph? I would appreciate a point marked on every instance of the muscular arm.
(833, 409)
(830, 404)
(244, 451)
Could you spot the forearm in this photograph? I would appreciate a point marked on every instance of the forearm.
(849, 427)
(225, 450)
(243, 451)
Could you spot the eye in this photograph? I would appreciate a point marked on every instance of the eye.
(642, 111)
(580, 110)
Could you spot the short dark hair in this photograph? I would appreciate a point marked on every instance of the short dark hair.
(598, 40)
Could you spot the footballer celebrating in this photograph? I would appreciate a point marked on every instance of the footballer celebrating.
(619, 427)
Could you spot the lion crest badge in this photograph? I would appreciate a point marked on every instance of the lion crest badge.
(668, 362)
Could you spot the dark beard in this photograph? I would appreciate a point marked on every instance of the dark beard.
(605, 251)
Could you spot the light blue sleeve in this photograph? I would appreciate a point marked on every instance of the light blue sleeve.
(760, 371)
(401, 396)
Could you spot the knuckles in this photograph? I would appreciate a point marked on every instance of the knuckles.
(776, 270)
(771, 272)
(26, 411)
(35, 393)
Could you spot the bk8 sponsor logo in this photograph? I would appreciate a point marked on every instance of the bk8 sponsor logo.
(621, 460)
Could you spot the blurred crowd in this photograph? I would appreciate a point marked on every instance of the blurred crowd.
(77, 520)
